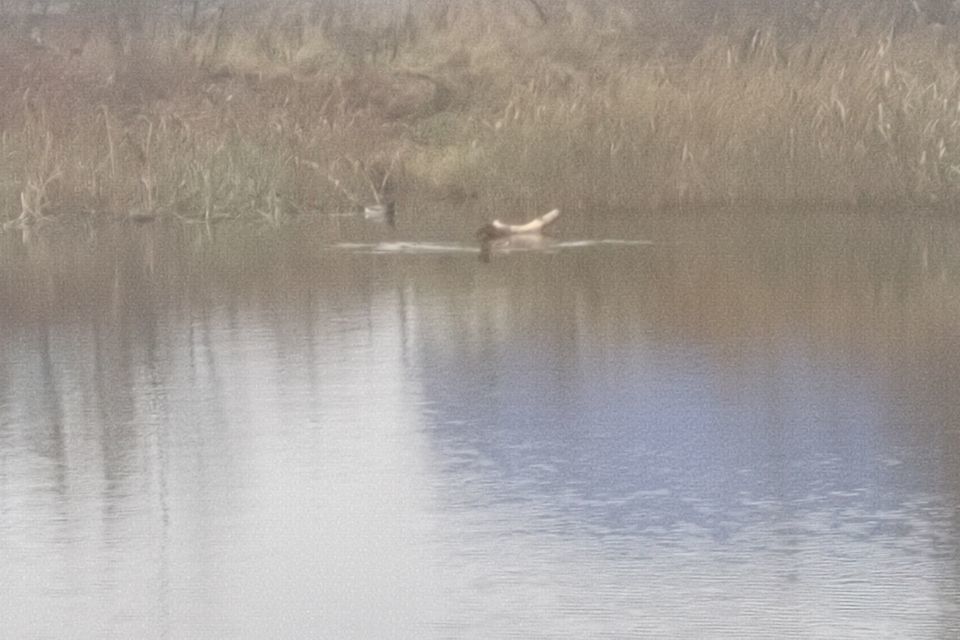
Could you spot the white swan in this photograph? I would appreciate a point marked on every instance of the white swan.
(496, 229)
(381, 212)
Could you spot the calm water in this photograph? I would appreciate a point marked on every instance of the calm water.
(720, 426)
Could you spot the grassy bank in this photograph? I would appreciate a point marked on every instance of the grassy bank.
(301, 108)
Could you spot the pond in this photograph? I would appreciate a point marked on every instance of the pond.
(721, 424)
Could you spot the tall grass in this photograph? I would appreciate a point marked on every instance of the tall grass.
(281, 109)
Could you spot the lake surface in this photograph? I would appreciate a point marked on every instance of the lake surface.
(709, 426)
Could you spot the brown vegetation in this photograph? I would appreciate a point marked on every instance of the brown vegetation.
(270, 110)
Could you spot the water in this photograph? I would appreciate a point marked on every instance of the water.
(712, 425)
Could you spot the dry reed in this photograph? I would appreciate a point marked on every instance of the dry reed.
(296, 108)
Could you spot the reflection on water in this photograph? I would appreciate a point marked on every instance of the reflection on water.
(717, 426)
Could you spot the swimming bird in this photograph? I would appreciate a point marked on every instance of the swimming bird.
(381, 212)
(139, 215)
(496, 229)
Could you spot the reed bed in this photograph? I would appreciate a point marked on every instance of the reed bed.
(270, 110)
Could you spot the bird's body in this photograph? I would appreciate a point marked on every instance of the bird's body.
(496, 229)
(380, 212)
(141, 216)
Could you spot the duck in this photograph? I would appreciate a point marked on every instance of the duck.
(496, 230)
(381, 212)
(139, 215)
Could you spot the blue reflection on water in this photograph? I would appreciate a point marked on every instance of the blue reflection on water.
(659, 437)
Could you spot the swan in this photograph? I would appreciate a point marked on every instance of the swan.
(496, 229)
(380, 212)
